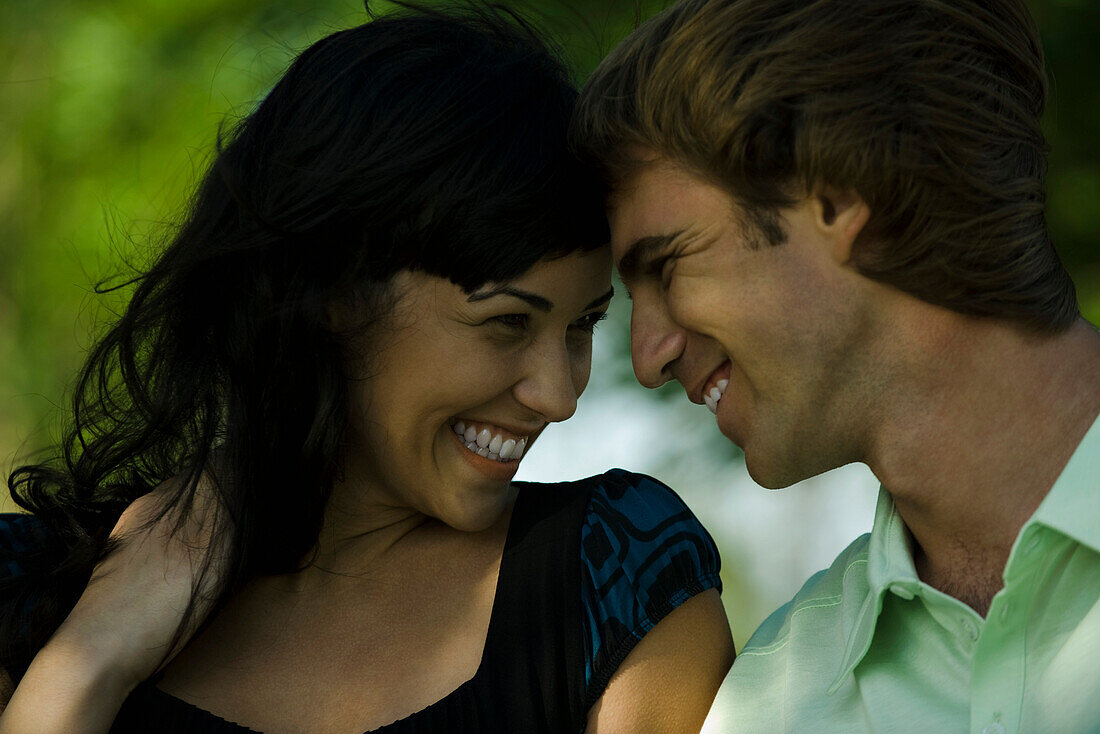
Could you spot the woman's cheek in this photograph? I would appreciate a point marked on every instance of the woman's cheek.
(581, 363)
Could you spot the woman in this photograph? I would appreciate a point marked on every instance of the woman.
(385, 291)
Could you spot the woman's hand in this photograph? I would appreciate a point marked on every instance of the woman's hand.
(119, 632)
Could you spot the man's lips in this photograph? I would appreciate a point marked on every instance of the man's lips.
(721, 373)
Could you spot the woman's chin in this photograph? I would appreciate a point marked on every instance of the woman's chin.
(475, 516)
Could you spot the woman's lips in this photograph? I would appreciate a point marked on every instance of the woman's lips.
(499, 470)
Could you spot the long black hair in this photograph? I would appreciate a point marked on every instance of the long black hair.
(427, 140)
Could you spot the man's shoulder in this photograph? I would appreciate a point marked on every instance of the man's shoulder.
(820, 607)
(793, 657)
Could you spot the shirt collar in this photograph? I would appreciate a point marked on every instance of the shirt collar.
(1072, 507)
(889, 567)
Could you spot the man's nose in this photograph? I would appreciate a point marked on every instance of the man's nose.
(656, 341)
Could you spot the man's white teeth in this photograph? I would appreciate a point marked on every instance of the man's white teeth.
(485, 443)
(715, 395)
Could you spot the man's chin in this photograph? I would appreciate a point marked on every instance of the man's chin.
(769, 471)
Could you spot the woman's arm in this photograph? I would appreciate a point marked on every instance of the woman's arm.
(669, 680)
(118, 633)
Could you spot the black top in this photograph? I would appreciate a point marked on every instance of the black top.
(588, 568)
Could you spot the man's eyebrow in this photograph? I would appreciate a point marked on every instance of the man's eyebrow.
(535, 301)
(601, 300)
(642, 251)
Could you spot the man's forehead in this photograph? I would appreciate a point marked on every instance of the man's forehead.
(658, 201)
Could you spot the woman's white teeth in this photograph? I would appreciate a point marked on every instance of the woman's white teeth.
(485, 443)
(713, 397)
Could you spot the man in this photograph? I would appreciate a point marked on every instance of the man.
(829, 216)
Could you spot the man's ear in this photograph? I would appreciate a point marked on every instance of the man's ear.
(839, 217)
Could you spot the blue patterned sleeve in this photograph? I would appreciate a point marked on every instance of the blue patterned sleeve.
(19, 534)
(643, 553)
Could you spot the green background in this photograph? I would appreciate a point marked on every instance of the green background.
(108, 112)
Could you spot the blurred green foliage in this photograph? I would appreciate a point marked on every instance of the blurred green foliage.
(109, 112)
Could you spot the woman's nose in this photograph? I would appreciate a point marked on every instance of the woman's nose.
(549, 387)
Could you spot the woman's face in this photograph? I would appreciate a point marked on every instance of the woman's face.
(498, 364)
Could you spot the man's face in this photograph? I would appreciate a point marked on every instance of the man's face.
(715, 307)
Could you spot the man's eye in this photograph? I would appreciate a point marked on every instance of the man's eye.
(660, 269)
(511, 320)
(588, 321)
(666, 271)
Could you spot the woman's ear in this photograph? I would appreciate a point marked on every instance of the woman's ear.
(343, 314)
(840, 216)
(334, 317)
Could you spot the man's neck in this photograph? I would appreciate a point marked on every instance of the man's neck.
(978, 431)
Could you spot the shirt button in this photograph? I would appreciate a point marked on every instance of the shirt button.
(995, 728)
(970, 629)
(901, 591)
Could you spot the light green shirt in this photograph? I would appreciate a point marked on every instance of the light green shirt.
(865, 646)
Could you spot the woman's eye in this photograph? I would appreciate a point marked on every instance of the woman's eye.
(588, 321)
(511, 320)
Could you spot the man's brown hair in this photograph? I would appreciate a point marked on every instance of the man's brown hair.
(928, 109)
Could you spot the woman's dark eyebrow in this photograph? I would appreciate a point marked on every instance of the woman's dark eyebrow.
(601, 300)
(535, 301)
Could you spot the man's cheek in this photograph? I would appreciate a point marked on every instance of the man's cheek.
(690, 303)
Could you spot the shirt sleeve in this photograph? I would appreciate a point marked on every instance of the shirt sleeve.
(643, 553)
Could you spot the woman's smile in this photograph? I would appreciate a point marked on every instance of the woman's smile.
(490, 441)
(482, 460)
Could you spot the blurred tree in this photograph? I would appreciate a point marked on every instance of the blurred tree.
(109, 111)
